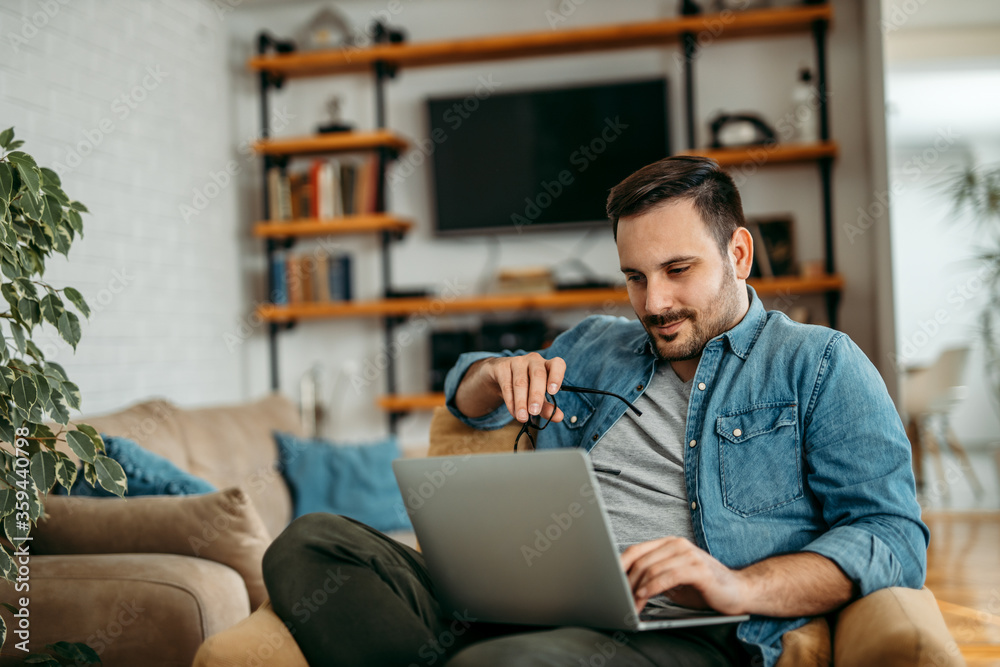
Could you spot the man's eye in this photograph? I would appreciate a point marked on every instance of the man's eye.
(679, 270)
(633, 278)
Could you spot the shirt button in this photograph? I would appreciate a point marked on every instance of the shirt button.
(572, 420)
(694, 505)
(737, 432)
(692, 443)
(594, 437)
(638, 387)
(701, 385)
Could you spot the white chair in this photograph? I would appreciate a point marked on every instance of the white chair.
(929, 395)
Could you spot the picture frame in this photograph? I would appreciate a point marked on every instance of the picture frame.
(774, 246)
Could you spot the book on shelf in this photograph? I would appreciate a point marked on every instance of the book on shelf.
(315, 276)
(339, 187)
(329, 188)
(279, 196)
(279, 284)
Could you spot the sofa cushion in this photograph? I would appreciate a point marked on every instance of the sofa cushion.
(133, 609)
(450, 437)
(148, 474)
(354, 480)
(222, 526)
(151, 424)
(807, 646)
(260, 639)
(232, 445)
(894, 626)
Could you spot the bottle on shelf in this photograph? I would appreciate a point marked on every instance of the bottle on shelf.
(804, 101)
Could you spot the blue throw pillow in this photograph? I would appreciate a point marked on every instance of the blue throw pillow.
(148, 474)
(353, 480)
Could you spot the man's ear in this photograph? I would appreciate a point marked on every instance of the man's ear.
(741, 252)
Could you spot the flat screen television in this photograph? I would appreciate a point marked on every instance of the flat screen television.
(541, 159)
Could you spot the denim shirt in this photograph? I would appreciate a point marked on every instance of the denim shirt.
(795, 445)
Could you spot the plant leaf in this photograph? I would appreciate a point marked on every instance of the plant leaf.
(43, 469)
(18, 333)
(89, 430)
(6, 563)
(5, 138)
(30, 206)
(69, 328)
(77, 300)
(52, 307)
(50, 177)
(29, 176)
(24, 392)
(66, 473)
(72, 394)
(6, 181)
(82, 445)
(110, 475)
(57, 409)
(75, 220)
(29, 311)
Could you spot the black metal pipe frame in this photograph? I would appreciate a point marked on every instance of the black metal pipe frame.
(819, 30)
(270, 244)
(690, 48)
(381, 72)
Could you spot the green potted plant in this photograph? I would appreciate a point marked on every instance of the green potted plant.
(36, 219)
(976, 191)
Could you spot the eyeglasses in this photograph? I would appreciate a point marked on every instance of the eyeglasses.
(538, 424)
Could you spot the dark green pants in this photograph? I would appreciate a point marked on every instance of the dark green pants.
(353, 596)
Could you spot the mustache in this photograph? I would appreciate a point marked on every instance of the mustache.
(662, 320)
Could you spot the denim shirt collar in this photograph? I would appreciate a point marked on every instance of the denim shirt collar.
(741, 337)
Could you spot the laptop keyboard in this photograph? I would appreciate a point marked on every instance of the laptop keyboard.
(658, 613)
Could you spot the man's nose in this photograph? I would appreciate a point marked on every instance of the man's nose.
(659, 296)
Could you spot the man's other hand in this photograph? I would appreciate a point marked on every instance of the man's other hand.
(519, 382)
(523, 382)
(688, 575)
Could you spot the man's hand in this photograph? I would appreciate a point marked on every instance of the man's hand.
(518, 382)
(793, 584)
(688, 575)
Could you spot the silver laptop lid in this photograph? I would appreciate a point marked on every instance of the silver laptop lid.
(502, 536)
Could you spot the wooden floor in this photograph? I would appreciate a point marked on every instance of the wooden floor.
(963, 571)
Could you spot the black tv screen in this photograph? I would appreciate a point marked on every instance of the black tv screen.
(541, 159)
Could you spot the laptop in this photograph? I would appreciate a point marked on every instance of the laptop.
(524, 538)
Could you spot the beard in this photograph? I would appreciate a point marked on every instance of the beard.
(716, 318)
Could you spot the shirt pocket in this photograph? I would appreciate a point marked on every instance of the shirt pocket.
(577, 409)
(759, 455)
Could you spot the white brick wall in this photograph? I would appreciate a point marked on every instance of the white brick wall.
(132, 98)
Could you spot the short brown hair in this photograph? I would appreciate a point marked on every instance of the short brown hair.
(699, 179)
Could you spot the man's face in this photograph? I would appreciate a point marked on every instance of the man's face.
(684, 291)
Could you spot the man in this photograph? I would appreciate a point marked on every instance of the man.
(769, 473)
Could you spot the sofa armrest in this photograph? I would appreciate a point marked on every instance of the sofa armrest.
(894, 626)
(223, 527)
(132, 609)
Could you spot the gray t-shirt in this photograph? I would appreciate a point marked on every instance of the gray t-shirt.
(648, 500)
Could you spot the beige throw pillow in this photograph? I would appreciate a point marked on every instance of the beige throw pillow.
(222, 526)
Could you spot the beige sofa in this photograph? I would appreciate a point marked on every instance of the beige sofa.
(145, 581)
(889, 628)
(153, 581)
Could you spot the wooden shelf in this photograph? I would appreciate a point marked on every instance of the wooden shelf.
(442, 305)
(334, 142)
(354, 224)
(498, 302)
(663, 32)
(408, 402)
(758, 156)
(766, 287)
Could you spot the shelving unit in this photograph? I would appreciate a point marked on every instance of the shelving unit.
(384, 61)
